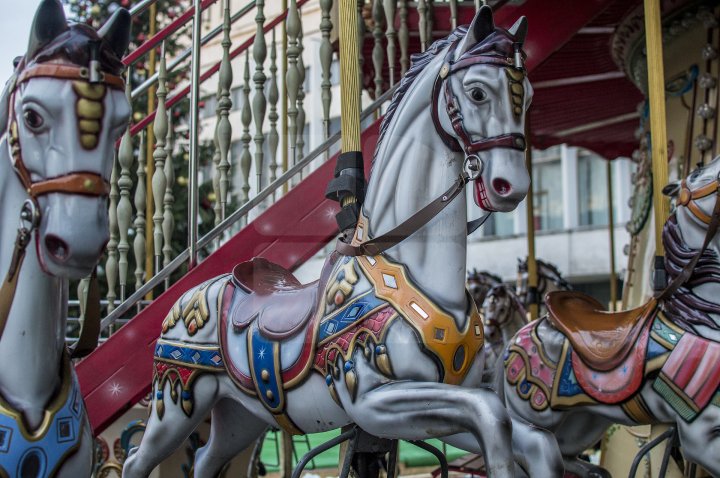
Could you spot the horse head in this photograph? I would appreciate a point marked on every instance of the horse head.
(65, 107)
(484, 90)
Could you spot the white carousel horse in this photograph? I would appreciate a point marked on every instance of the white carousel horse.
(503, 315)
(580, 369)
(387, 338)
(549, 279)
(65, 108)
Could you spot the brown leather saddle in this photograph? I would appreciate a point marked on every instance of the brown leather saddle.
(601, 339)
(276, 299)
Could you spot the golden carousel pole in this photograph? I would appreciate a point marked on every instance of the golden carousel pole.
(150, 166)
(658, 132)
(611, 233)
(532, 280)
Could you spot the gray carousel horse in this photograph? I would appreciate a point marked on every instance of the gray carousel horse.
(65, 108)
(580, 369)
(503, 315)
(549, 279)
(387, 338)
(479, 284)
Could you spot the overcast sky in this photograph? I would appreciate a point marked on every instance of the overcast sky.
(15, 23)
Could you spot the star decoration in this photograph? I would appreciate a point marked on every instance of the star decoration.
(261, 353)
(115, 389)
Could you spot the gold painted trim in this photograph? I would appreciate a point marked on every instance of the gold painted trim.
(71, 451)
(541, 349)
(637, 410)
(187, 346)
(358, 320)
(56, 403)
(439, 332)
(192, 366)
(276, 372)
(536, 383)
(557, 401)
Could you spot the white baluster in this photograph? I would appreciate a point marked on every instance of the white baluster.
(224, 128)
(259, 102)
(168, 224)
(140, 203)
(378, 54)
(246, 117)
(292, 77)
(422, 24)
(159, 155)
(111, 265)
(430, 16)
(390, 34)
(404, 38)
(301, 98)
(124, 207)
(326, 63)
(273, 96)
(453, 14)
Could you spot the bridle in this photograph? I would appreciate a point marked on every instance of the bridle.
(472, 166)
(463, 142)
(687, 198)
(82, 183)
(514, 304)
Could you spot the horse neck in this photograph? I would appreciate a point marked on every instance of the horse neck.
(34, 336)
(412, 168)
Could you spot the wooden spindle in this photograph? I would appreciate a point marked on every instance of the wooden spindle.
(430, 22)
(326, 63)
(422, 23)
(453, 14)
(292, 78)
(301, 98)
(168, 224)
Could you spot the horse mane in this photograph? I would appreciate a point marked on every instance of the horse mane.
(684, 307)
(478, 275)
(418, 62)
(514, 299)
(545, 266)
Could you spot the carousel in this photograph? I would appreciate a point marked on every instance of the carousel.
(172, 170)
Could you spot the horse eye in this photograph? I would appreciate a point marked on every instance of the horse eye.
(33, 119)
(478, 94)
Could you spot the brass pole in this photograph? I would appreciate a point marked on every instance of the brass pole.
(150, 166)
(533, 302)
(284, 104)
(349, 77)
(611, 232)
(658, 132)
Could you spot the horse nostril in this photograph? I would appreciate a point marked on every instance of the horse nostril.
(57, 247)
(501, 186)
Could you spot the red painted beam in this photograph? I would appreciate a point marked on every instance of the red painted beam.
(118, 373)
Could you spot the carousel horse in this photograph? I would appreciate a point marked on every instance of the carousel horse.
(387, 338)
(479, 284)
(65, 106)
(549, 279)
(580, 369)
(503, 315)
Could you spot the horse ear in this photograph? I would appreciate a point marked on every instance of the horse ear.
(671, 189)
(519, 30)
(49, 22)
(116, 31)
(481, 26)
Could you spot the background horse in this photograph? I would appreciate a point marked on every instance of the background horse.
(65, 107)
(549, 279)
(383, 339)
(579, 370)
(503, 315)
(479, 284)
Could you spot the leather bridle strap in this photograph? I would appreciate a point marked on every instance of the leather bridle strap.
(441, 86)
(713, 226)
(395, 236)
(68, 72)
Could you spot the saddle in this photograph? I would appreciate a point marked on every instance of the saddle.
(601, 339)
(279, 302)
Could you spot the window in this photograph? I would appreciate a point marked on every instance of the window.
(592, 190)
(335, 72)
(499, 224)
(209, 103)
(548, 212)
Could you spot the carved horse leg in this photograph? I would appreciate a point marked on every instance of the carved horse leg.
(232, 430)
(700, 439)
(422, 410)
(162, 437)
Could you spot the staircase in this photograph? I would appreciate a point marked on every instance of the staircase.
(298, 223)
